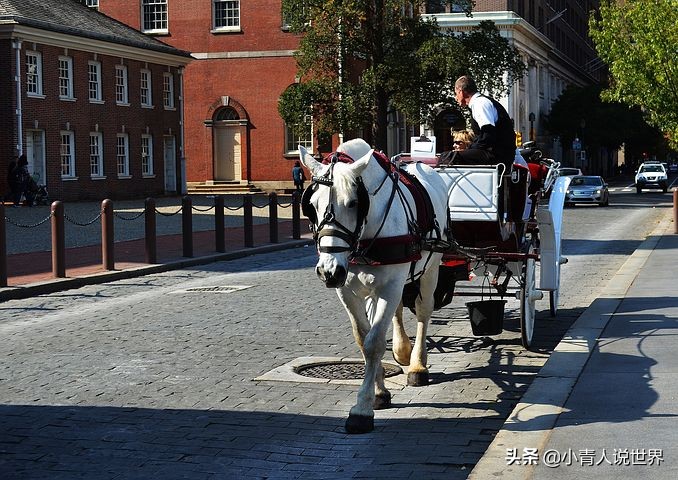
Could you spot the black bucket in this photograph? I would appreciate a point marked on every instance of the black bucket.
(487, 316)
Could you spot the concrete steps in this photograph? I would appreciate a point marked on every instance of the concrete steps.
(220, 188)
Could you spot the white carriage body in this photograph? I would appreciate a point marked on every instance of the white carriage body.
(473, 195)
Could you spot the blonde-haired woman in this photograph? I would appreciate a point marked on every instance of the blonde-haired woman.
(461, 139)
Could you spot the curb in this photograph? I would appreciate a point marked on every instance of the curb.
(60, 284)
(531, 422)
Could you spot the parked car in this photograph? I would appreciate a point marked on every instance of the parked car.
(588, 189)
(569, 172)
(651, 175)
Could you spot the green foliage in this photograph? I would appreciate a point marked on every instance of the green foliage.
(359, 60)
(638, 39)
(580, 112)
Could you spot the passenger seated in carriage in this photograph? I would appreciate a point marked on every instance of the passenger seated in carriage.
(495, 140)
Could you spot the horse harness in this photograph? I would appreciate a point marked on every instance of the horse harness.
(378, 250)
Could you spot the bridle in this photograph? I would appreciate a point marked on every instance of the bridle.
(329, 226)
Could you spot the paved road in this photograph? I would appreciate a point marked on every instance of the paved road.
(143, 379)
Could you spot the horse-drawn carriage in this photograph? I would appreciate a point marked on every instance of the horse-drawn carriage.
(391, 232)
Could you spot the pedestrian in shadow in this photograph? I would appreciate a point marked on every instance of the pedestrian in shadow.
(14, 183)
(298, 176)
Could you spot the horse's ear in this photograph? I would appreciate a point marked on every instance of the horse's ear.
(307, 159)
(359, 165)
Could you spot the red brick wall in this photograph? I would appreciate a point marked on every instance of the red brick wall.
(255, 83)
(53, 114)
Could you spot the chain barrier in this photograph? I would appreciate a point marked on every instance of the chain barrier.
(117, 215)
(25, 225)
(285, 205)
(234, 209)
(79, 224)
(169, 214)
(203, 209)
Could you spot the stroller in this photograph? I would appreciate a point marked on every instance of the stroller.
(36, 193)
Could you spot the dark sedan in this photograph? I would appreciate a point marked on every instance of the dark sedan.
(588, 189)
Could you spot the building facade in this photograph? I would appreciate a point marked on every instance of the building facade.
(244, 60)
(93, 104)
(552, 39)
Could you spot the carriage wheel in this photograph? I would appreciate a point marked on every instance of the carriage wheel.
(528, 298)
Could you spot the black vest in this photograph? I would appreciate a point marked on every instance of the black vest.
(505, 147)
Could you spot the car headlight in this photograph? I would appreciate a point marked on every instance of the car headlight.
(598, 192)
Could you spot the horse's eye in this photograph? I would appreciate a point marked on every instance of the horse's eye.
(352, 204)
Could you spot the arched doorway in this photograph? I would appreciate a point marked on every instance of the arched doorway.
(227, 145)
(445, 121)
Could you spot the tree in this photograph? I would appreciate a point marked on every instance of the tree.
(580, 113)
(638, 39)
(359, 60)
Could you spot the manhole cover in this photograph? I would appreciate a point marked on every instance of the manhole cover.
(342, 370)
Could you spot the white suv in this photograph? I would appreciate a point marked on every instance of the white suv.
(651, 175)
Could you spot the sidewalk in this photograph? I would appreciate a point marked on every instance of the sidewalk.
(30, 273)
(606, 402)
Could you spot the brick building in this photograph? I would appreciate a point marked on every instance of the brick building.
(94, 104)
(244, 60)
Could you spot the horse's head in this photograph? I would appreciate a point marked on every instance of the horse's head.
(336, 203)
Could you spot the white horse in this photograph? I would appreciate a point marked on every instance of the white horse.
(350, 205)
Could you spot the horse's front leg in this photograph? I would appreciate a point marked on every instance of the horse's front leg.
(417, 373)
(361, 416)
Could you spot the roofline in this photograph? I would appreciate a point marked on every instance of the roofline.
(10, 28)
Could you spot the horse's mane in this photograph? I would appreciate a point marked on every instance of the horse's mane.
(344, 182)
(344, 178)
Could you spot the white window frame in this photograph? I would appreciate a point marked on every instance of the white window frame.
(65, 78)
(220, 21)
(93, 3)
(34, 78)
(67, 154)
(145, 88)
(168, 90)
(96, 155)
(292, 141)
(154, 16)
(94, 81)
(122, 155)
(121, 85)
(147, 155)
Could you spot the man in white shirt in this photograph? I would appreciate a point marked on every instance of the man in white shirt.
(495, 140)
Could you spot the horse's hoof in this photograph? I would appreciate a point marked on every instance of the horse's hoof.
(417, 379)
(359, 424)
(382, 401)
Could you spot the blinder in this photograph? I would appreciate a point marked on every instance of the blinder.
(337, 230)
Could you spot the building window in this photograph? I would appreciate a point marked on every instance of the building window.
(96, 152)
(168, 90)
(92, 3)
(67, 155)
(146, 155)
(146, 93)
(33, 73)
(121, 95)
(226, 15)
(65, 77)
(94, 79)
(293, 140)
(122, 154)
(154, 16)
